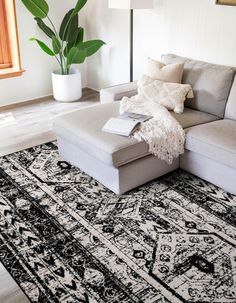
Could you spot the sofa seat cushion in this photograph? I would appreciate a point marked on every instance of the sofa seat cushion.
(215, 140)
(84, 127)
(192, 117)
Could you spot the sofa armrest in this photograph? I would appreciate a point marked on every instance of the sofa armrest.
(114, 93)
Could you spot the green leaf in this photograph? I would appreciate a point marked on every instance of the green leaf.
(68, 27)
(38, 8)
(91, 46)
(43, 46)
(56, 45)
(80, 35)
(79, 39)
(47, 30)
(80, 4)
(68, 48)
(76, 56)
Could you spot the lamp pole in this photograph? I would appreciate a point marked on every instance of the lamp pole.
(131, 5)
(131, 44)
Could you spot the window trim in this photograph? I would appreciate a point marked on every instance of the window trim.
(4, 46)
(11, 66)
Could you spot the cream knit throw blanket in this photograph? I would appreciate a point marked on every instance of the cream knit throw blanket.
(163, 133)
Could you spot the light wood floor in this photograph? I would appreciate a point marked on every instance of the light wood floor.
(23, 126)
(30, 124)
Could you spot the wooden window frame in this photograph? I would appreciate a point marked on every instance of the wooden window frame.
(10, 64)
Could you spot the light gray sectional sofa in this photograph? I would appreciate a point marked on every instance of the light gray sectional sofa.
(123, 163)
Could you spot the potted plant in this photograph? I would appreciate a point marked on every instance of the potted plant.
(68, 47)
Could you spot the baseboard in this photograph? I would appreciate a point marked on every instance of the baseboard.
(23, 103)
(95, 89)
(31, 101)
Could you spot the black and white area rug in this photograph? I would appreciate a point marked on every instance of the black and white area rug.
(65, 238)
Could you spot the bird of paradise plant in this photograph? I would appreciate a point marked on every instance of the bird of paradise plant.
(67, 44)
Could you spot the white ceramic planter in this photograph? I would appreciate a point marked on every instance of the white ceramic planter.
(67, 88)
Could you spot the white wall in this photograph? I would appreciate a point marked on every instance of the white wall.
(111, 64)
(195, 28)
(36, 81)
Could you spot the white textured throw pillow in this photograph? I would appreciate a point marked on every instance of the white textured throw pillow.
(169, 73)
(169, 95)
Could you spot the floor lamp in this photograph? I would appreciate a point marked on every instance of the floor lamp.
(131, 5)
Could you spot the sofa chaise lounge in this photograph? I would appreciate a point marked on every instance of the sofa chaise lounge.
(122, 164)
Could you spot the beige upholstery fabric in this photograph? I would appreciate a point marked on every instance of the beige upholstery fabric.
(211, 83)
(219, 174)
(215, 140)
(83, 128)
(121, 179)
(192, 117)
(117, 92)
(160, 71)
(230, 112)
(169, 95)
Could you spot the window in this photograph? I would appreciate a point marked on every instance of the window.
(9, 47)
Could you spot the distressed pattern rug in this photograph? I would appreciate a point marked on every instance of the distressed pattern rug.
(65, 238)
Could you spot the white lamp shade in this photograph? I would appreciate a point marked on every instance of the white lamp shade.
(131, 4)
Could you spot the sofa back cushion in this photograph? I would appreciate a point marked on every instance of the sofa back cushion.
(211, 83)
(230, 112)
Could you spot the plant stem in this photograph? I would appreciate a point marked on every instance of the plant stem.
(55, 31)
(58, 60)
(68, 69)
(61, 63)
